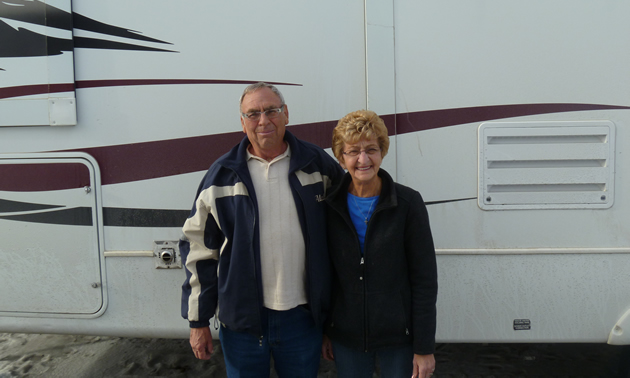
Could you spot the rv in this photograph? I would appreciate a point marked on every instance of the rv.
(512, 118)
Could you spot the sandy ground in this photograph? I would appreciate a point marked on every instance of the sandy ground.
(23, 355)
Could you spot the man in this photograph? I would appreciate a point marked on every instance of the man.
(255, 247)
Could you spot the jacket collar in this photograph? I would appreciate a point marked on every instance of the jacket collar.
(236, 158)
(338, 197)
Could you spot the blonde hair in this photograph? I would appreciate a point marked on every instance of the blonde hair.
(358, 125)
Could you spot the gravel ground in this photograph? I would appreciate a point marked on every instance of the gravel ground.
(23, 355)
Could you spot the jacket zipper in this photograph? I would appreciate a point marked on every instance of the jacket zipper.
(260, 340)
(365, 317)
(364, 279)
(305, 235)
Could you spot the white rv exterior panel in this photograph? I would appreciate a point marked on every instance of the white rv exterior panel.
(462, 64)
(577, 297)
(453, 54)
(24, 112)
(381, 69)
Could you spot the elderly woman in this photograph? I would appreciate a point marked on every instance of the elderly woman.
(385, 276)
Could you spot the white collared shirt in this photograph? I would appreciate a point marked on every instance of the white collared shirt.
(282, 249)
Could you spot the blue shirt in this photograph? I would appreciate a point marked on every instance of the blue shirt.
(361, 209)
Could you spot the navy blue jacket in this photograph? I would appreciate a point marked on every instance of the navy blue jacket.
(221, 247)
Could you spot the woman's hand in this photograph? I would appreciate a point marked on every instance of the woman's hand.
(423, 365)
(327, 351)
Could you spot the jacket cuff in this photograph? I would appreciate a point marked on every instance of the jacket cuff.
(424, 349)
(199, 324)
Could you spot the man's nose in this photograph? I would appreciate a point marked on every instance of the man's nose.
(264, 119)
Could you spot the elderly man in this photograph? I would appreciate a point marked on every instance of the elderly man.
(255, 247)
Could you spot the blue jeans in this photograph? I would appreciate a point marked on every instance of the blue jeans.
(291, 337)
(395, 362)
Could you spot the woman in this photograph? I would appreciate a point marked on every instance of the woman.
(385, 276)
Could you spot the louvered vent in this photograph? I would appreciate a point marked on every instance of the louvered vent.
(556, 165)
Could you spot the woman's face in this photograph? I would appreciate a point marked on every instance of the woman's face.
(362, 160)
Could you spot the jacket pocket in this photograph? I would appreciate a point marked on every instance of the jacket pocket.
(347, 319)
(388, 316)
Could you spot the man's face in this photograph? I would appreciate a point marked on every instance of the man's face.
(265, 134)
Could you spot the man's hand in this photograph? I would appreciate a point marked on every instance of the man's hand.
(327, 351)
(423, 365)
(201, 342)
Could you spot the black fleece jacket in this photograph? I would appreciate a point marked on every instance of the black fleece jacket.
(387, 296)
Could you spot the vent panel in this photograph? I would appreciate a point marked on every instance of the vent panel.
(555, 165)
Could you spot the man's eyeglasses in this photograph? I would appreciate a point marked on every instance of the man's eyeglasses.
(370, 151)
(270, 113)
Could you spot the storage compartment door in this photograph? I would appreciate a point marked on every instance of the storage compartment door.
(49, 239)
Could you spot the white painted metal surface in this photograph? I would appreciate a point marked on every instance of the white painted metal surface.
(620, 334)
(461, 64)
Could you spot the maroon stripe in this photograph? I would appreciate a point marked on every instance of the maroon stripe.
(142, 161)
(41, 177)
(431, 119)
(28, 90)
(320, 133)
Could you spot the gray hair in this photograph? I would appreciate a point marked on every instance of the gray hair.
(256, 86)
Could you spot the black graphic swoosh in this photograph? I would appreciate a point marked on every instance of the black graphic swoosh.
(78, 216)
(82, 216)
(125, 217)
(7, 206)
(449, 201)
(26, 43)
